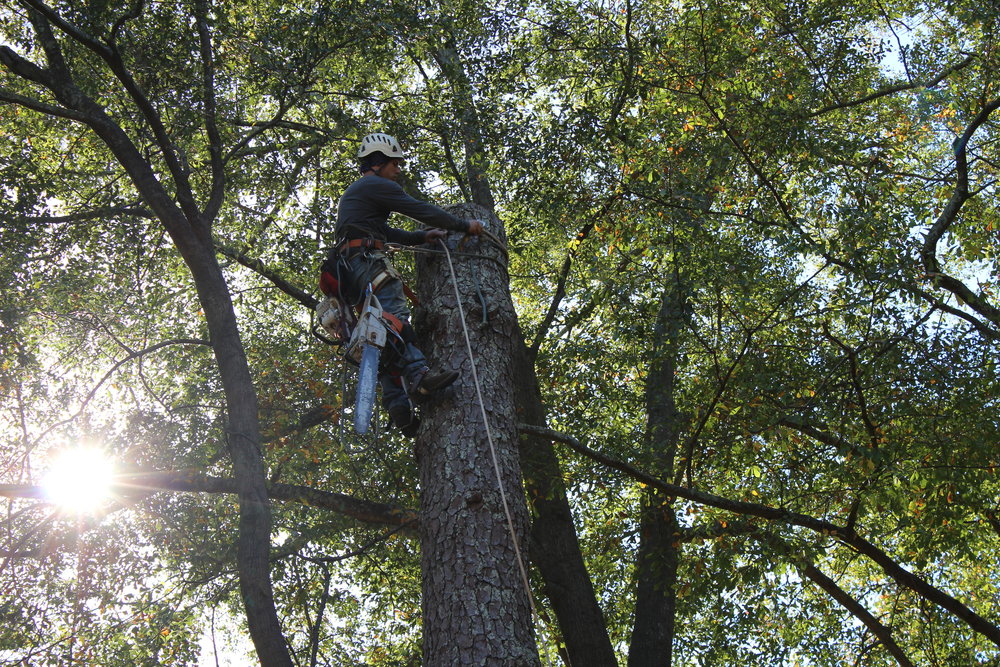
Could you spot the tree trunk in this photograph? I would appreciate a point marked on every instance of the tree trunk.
(656, 571)
(656, 563)
(476, 609)
(243, 431)
(555, 549)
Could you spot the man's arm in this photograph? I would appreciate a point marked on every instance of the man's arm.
(398, 201)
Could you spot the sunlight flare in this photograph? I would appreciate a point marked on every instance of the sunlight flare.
(80, 479)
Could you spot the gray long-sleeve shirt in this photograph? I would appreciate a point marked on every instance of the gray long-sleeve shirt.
(365, 207)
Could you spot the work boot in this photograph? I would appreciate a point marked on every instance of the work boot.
(402, 415)
(427, 383)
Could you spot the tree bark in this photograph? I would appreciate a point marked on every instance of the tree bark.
(555, 547)
(476, 607)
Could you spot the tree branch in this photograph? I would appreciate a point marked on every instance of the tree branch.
(476, 162)
(193, 481)
(897, 88)
(858, 611)
(845, 535)
(814, 574)
(259, 129)
(218, 188)
(114, 61)
(35, 105)
(78, 34)
(688, 455)
(129, 357)
(810, 571)
(303, 297)
(140, 484)
(560, 292)
(947, 217)
(97, 213)
(979, 325)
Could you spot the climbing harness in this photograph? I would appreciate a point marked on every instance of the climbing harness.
(355, 322)
(361, 332)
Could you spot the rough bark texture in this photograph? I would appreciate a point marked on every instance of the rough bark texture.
(475, 606)
(555, 548)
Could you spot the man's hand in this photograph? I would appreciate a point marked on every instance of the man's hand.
(433, 235)
(475, 228)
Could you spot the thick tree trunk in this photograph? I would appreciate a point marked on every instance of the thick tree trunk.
(476, 608)
(656, 563)
(556, 550)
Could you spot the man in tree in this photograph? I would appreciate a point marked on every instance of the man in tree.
(362, 231)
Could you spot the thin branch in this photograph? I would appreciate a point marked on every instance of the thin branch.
(74, 31)
(821, 435)
(360, 551)
(947, 217)
(914, 290)
(113, 59)
(211, 127)
(859, 393)
(858, 610)
(847, 601)
(723, 382)
(130, 357)
(130, 15)
(98, 213)
(303, 297)
(897, 88)
(810, 571)
(35, 105)
(560, 292)
(258, 129)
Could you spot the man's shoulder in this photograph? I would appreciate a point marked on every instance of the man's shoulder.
(374, 184)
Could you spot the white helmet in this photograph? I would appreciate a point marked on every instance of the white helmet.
(381, 143)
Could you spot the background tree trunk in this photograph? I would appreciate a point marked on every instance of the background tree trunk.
(254, 539)
(656, 562)
(555, 548)
(476, 608)
(190, 228)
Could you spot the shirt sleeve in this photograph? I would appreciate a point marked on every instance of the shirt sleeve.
(396, 199)
(403, 237)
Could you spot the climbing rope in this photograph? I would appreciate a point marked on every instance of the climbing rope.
(489, 434)
(391, 248)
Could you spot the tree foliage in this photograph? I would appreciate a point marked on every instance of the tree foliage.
(752, 249)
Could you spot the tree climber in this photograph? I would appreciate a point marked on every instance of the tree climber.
(362, 231)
